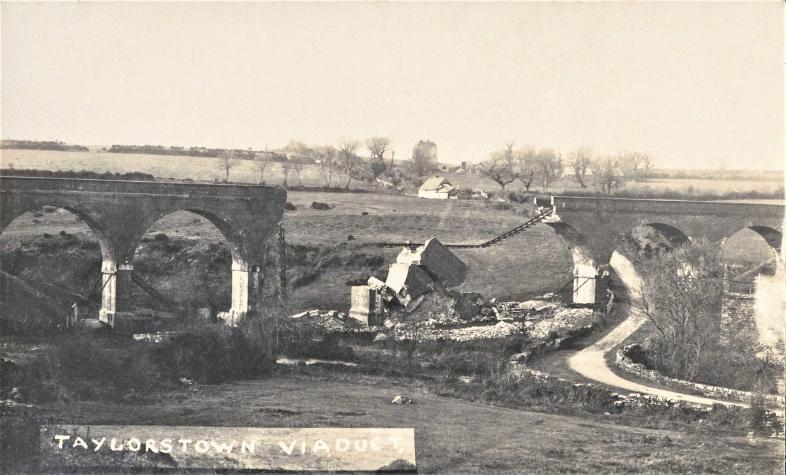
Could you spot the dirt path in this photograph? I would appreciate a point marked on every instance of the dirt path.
(591, 363)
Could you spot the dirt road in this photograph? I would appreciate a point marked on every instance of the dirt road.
(591, 363)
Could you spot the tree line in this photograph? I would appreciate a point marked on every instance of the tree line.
(338, 166)
(42, 145)
(532, 167)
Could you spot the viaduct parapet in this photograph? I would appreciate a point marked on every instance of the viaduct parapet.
(596, 225)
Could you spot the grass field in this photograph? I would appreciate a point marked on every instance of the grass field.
(452, 436)
(211, 169)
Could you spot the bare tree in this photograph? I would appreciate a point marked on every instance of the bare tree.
(424, 157)
(377, 146)
(646, 165)
(285, 167)
(348, 159)
(580, 161)
(327, 164)
(607, 176)
(549, 167)
(299, 151)
(261, 165)
(630, 163)
(681, 295)
(528, 167)
(501, 167)
(227, 162)
(297, 166)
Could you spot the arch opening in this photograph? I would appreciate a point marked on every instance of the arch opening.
(185, 263)
(751, 251)
(586, 274)
(647, 240)
(51, 259)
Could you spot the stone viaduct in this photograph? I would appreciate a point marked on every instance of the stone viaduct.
(120, 212)
(593, 228)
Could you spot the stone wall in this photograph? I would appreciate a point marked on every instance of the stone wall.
(738, 316)
(626, 364)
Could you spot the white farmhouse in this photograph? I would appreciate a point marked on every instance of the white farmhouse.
(437, 188)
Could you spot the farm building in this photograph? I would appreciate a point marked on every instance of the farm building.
(438, 188)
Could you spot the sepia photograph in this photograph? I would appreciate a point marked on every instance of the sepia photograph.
(401, 237)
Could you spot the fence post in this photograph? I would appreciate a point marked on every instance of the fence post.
(282, 265)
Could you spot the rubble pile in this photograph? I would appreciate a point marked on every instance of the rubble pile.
(529, 309)
(417, 301)
(422, 275)
(563, 321)
(331, 321)
(477, 332)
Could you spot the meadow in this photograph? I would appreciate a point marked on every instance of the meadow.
(452, 436)
(244, 171)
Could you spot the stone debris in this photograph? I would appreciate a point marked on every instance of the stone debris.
(436, 260)
(158, 337)
(331, 321)
(301, 314)
(401, 400)
(484, 332)
(424, 332)
(408, 282)
(416, 275)
(562, 321)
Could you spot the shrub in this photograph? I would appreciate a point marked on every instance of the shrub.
(320, 206)
(289, 206)
(301, 277)
(161, 237)
(501, 205)
(86, 366)
(213, 353)
(76, 174)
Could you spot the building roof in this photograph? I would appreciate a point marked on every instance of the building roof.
(437, 183)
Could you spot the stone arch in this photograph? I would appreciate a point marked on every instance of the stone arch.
(576, 243)
(96, 229)
(80, 283)
(756, 257)
(772, 236)
(649, 237)
(246, 275)
(584, 262)
(674, 234)
(232, 237)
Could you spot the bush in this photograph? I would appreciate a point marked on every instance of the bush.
(76, 174)
(289, 206)
(213, 353)
(501, 205)
(301, 277)
(86, 366)
(320, 206)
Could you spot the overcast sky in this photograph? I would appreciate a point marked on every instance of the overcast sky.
(695, 85)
